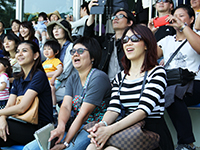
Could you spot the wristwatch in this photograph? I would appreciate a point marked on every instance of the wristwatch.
(66, 144)
(183, 26)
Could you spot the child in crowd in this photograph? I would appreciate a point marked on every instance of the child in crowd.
(53, 68)
(41, 27)
(5, 72)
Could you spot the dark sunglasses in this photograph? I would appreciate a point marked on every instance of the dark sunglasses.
(79, 51)
(118, 16)
(133, 38)
(164, 1)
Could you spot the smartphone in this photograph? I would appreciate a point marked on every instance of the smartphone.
(51, 144)
(99, 9)
(160, 21)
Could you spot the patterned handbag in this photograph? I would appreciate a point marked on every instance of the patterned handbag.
(134, 137)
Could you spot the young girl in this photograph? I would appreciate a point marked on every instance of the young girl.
(53, 64)
(5, 71)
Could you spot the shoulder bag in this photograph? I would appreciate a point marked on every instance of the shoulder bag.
(31, 115)
(178, 75)
(133, 137)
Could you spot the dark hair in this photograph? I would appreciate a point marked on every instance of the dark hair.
(13, 37)
(16, 21)
(2, 24)
(150, 59)
(55, 46)
(130, 16)
(6, 63)
(38, 63)
(93, 47)
(189, 10)
(28, 24)
(85, 5)
(43, 15)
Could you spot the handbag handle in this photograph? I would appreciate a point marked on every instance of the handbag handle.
(174, 54)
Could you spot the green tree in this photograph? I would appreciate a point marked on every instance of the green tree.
(7, 11)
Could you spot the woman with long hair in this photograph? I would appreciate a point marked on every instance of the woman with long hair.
(30, 83)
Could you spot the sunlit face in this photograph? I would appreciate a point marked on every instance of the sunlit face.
(54, 17)
(120, 24)
(81, 12)
(15, 27)
(183, 16)
(48, 52)
(24, 32)
(2, 68)
(40, 18)
(81, 61)
(134, 50)
(9, 45)
(164, 7)
(24, 55)
(195, 4)
(58, 32)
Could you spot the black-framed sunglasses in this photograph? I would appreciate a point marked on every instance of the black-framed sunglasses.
(164, 1)
(118, 16)
(79, 51)
(133, 38)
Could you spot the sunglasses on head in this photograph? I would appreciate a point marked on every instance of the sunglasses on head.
(133, 38)
(164, 1)
(79, 51)
(118, 16)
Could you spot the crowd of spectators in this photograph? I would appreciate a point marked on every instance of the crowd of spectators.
(94, 77)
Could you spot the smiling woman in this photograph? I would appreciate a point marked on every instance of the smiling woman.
(139, 45)
(30, 83)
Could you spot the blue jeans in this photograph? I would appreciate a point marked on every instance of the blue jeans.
(81, 143)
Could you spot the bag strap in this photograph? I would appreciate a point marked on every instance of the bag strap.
(143, 83)
(174, 54)
(84, 91)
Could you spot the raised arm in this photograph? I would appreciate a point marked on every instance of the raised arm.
(192, 37)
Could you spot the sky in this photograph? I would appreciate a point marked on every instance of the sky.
(47, 6)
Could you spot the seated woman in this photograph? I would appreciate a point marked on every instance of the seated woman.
(140, 50)
(188, 57)
(86, 54)
(31, 82)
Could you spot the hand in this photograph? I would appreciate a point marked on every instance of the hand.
(58, 147)
(100, 137)
(57, 133)
(151, 26)
(3, 128)
(92, 3)
(174, 22)
(52, 81)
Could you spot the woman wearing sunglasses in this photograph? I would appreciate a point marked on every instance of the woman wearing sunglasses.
(91, 102)
(139, 45)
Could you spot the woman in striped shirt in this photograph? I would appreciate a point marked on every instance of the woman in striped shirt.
(140, 50)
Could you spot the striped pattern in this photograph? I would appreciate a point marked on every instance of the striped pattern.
(152, 100)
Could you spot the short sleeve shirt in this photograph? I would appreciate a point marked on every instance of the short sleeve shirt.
(40, 84)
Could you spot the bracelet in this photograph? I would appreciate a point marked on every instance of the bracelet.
(104, 122)
(66, 144)
(182, 27)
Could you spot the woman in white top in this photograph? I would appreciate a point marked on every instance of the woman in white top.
(188, 57)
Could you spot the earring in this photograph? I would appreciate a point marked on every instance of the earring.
(92, 62)
(35, 58)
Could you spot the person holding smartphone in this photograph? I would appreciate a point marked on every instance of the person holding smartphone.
(110, 43)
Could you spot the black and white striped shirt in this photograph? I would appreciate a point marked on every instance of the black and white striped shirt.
(152, 99)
